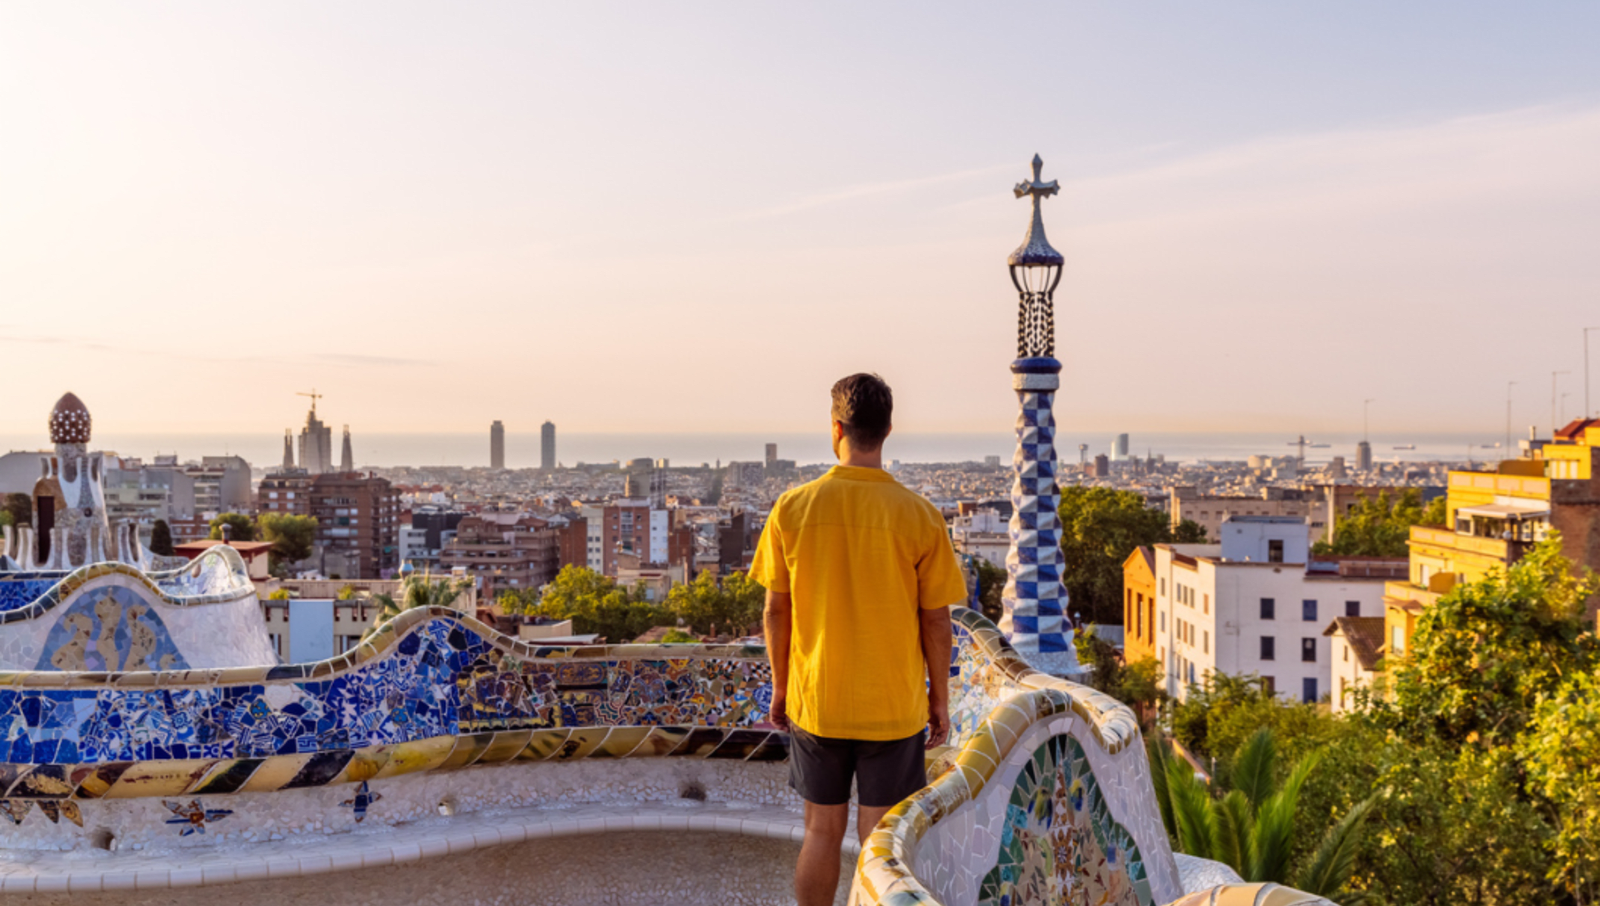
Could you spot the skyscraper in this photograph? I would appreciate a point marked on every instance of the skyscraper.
(772, 456)
(547, 446)
(347, 456)
(1119, 448)
(497, 445)
(1363, 456)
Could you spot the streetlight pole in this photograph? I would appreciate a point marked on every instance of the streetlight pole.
(1554, 424)
(1587, 412)
(1507, 451)
(1035, 618)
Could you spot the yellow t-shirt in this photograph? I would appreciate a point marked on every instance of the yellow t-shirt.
(859, 554)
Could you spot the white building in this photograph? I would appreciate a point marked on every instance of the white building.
(982, 534)
(1357, 644)
(1255, 603)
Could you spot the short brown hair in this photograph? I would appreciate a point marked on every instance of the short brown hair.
(864, 404)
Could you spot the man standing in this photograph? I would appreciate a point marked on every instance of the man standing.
(860, 576)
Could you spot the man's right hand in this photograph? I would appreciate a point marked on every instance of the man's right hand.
(778, 711)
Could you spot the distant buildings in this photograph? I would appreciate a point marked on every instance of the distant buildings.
(316, 444)
(547, 446)
(504, 552)
(1364, 456)
(1258, 603)
(1493, 518)
(1119, 448)
(358, 518)
(497, 445)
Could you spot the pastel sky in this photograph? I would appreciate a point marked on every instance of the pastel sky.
(694, 217)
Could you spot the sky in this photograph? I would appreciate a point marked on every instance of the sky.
(695, 217)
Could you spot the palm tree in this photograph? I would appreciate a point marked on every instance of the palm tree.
(1251, 829)
(416, 592)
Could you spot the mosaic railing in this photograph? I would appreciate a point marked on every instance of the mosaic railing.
(219, 574)
(1044, 798)
(112, 617)
(431, 690)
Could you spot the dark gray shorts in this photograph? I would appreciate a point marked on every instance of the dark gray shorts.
(820, 768)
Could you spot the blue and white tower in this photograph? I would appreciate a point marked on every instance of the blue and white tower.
(1035, 600)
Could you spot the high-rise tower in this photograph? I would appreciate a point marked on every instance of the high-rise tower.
(1034, 599)
(497, 445)
(288, 449)
(347, 458)
(547, 446)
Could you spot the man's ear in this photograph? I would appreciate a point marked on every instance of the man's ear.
(838, 429)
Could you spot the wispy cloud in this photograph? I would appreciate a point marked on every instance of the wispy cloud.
(867, 190)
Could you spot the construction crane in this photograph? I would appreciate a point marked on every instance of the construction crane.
(314, 397)
(1302, 443)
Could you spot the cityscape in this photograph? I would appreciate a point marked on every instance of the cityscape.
(414, 484)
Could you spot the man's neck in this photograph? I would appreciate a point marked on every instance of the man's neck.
(860, 459)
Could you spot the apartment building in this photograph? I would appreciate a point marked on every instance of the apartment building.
(358, 524)
(503, 552)
(1255, 603)
(1493, 518)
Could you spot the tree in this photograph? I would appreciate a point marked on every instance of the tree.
(1380, 526)
(1562, 754)
(161, 539)
(1484, 654)
(243, 528)
(20, 506)
(346, 593)
(991, 587)
(1100, 527)
(292, 537)
(594, 603)
(1189, 532)
(1253, 828)
(415, 592)
(733, 606)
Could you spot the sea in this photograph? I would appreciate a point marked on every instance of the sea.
(379, 450)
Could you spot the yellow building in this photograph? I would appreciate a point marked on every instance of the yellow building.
(1139, 605)
(1493, 518)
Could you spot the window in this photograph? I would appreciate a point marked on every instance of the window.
(1163, 587)
(1308, 611)
(1268, 608)
(1269, 648)
(1308, 689)
(1346, 653)
(1206, 600)
(1205, 641)
(1275, 551)
(1308, 650)
(1352, 608)
(1163, 621)
(1268, 686)
(1152, 621)
(1397, 640)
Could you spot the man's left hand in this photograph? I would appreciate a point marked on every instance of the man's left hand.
(938, 724)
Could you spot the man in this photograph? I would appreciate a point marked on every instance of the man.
(859, 575)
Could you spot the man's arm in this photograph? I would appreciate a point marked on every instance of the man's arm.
(776, 621)
(936, 641)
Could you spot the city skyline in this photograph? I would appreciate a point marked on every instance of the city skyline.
(1367, 205)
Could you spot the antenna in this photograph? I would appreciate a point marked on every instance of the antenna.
(314, 397)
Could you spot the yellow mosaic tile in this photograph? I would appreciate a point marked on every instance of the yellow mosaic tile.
(543, 744)
(621, 742)
(506, 745)
(661, 741)
(582, 741)
(419, 755)
(467, 750)
(158, 778)
(364, 764)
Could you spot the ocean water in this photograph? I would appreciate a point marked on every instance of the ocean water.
(522, 449)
